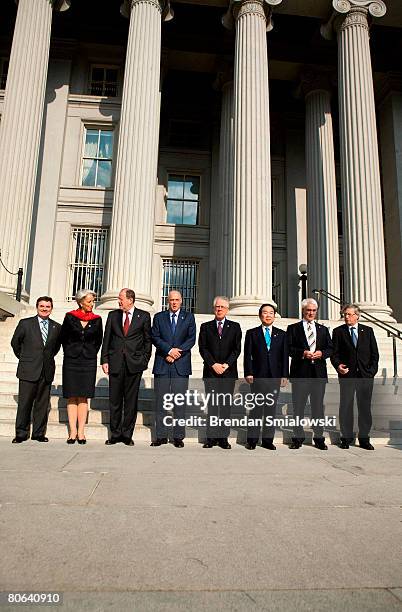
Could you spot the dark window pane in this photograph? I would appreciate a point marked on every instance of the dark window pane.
(192, 188)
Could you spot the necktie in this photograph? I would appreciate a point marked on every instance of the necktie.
(44, 330)
(310, 337)
(126, 324)
(220, 328)
(353, 335)
(173, 324)
(267, 338)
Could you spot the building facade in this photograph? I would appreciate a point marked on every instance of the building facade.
(205, 146)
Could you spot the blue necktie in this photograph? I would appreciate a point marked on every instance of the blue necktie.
(173, 323)
(267, 338)
(44, 330)
(354, 337)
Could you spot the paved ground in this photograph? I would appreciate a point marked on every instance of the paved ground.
(140, 528)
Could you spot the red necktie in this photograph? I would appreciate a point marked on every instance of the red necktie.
(126, 324)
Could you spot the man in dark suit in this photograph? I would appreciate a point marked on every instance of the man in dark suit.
(355, 358)
(35, 342)
(126, 350)
(266, 368)
(309, 346)
(220, 346)
(173, 334)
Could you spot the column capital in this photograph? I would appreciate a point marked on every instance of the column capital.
(57, 5)
(163, 6)
(351, 12)
(260, 8)
(313, 79)
(376, 8)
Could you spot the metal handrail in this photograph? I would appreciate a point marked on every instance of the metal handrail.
(392, 331)
(19, 274)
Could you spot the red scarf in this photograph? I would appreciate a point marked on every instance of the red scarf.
(83, 316)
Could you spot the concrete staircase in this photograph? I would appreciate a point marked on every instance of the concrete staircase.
(387, 397)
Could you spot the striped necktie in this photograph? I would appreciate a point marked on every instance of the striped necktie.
(44, 330)
(311, 337)
(354, 337)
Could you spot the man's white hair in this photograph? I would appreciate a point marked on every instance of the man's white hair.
(308, 301)
(223, 298)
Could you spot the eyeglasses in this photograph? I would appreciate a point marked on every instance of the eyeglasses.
(311, 310)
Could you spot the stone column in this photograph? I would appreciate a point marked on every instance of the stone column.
(132, 229)
(251, 244)
(322, 224)
(365, 274)
(21, 132)
(222, 232)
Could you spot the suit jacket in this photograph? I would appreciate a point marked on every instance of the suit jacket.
(362, 361)
(261, 363)
(220, 349)
(297, 344)
(135, 348)
(164, 340)
(35, 357)
(79, 341)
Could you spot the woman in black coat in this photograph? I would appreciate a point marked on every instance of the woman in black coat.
(81, 337)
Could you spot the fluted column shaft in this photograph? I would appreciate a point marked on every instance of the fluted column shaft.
(224, 246)
(251, 233)
(132, 230)
(21, 131)
(364, 256)
(322, 225)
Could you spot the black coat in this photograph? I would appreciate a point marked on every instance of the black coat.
(297, 344)
(79, 341)
(220, 349)
(362, 361)
(135, 348)
(261, 363)
(35, 357)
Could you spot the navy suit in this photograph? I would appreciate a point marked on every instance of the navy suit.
(267, 367)
(362, 362)
(35, 371)
(308, 379)
(171, 377)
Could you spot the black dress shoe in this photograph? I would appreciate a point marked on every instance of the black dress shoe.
(81, 441)
(223, 443)
(178, 443)
(207, 445)
(159, 442)
(40, 438)
(250, 445)
(112, 441)
(366, 445)
(18, 440)
(71, 440)
(344, 444)
(321, 445)
(268, 444)
(295, 445)
(128, 441)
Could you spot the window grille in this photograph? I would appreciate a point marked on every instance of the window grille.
(97, 158)
(183, 199)
(87, 260)
(104, 81)
(182, 275)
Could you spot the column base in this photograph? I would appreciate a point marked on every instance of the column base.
(248, 304)
(380, 311)
(109, 301)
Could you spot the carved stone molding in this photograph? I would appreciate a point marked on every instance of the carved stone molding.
(163, 6)
(351, 12)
